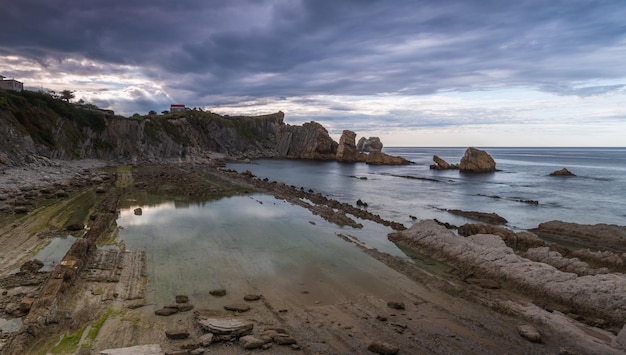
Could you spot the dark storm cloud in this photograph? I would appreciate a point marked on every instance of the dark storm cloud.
(292, 48)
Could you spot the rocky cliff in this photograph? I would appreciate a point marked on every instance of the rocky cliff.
(35, 127)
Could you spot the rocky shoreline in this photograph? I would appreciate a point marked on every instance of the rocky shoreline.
(545, 293)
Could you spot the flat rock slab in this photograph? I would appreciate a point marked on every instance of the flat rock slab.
(252, 297)
(150, 349)
(529, 332)
(380, 347)
(251, 342)
(226, 326)
(218, 293)
(237, 307)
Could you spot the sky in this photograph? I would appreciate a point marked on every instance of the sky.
(414, 73)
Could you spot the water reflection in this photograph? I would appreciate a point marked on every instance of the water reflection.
(255, 238)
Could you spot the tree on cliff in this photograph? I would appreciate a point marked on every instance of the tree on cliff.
(67, 95)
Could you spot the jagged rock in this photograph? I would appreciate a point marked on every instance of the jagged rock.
(562, 172)
(529, 332)
(370, 144)
(309, 141)
(61, 193)
(205, 339)
(380, 158)
(477, 161)
(517, 241)
(283, 339)
(597, 236)
(21, 209)
(346, 151)
(381, 347)
(487, 256)
(441, 164)
(75, 227)
(138, 211)
(184, 307)
(150, 349)
(226, 326)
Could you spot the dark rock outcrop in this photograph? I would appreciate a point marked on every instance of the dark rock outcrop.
(441, 164)
(346, 151)
(380, 158)
(309, 141)
(369, 144)
(477, 161)
(562, 172)
(491, 218)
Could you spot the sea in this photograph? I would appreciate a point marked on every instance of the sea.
(257, 239)
(521, 190)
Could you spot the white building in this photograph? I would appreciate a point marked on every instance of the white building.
(10, 84)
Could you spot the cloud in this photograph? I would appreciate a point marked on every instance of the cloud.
(249, 54)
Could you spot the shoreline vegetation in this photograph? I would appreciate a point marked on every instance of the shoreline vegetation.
(580, 309)
(476, 288)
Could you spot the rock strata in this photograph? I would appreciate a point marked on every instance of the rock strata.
(380, 158)
(441, 164)
(346, 151)
(369, 144)
(487, 256)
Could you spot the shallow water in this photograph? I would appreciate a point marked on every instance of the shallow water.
(195, 248)
(596, 195)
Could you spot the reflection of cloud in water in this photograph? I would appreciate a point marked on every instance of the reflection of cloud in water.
(166, 213)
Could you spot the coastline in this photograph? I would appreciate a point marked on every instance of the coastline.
(439, 294)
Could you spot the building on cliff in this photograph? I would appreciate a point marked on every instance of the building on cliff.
(10, 84)
(177, 108)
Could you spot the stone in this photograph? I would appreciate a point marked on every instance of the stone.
(237, 307)
(491, 218)
(477, 161)
(32, 266)
(283, 339)
(220, 292)
(75, 227)
(395, 305)
(346, 150)
(620, 340)
(380, 158)
(101, 189)
(369, 144)
(529, 333)
(308, 141)
(150, 349)
(61, 193)
(138, 211)
(252, 297)
(562, 172)
(381, 347)
(184, 307)
(251, 342)
(166, 311)
(226, 326)
(441, 164)
(182, 299)
(26, 304)
(205, 339)
(21, 209)
(177, 333)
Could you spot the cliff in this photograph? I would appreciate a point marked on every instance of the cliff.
(35, 127)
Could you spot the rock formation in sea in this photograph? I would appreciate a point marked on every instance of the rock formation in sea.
(346, 151)
(441, 164)
(369, 144)
(477, 161)
(309, 141)
(380, 158)
(562, 172)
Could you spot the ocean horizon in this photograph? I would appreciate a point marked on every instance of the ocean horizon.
(597, 194)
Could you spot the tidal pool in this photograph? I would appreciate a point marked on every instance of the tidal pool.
(257, 239)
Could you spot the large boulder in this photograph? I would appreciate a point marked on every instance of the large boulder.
(477, 161)
(369, 144)
(380, 158)
(346, 151)
(309, 141)
(562, 172)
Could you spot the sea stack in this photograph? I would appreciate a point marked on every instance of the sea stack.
(477, 161)
(346, 150)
